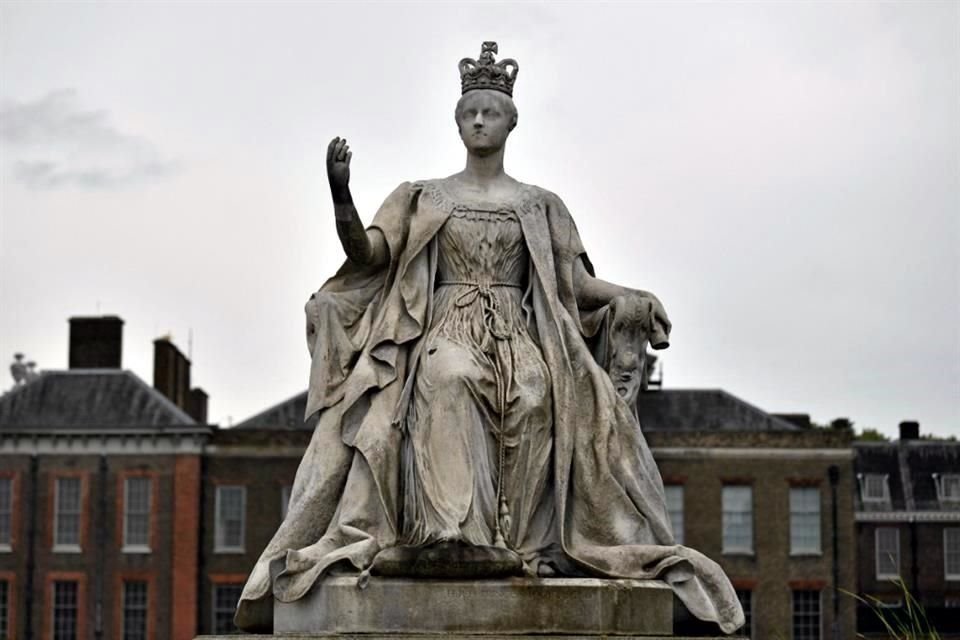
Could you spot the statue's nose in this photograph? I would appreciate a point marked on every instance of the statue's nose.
(478, 121)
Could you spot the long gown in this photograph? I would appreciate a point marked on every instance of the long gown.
(458, 399)
(480, 425)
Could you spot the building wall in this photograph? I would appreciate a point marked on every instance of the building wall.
(264, 477)
(771, 572)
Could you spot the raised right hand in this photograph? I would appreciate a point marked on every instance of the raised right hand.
(338, 166)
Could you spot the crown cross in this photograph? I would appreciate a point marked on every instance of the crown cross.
(487, 74)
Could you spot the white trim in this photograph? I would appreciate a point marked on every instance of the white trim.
(907, 516)
(67, 548)
(876, 554)
(62, 547)
(946, 574)
(218, 547)
(939, 483)
(136, 548)
(862, 481)
(102, 443)
(741, 453)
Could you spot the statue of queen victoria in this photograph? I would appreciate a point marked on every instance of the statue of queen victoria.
(476, 386)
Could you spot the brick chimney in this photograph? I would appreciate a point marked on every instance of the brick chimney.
(909, 430)
(171, 377)
(96, 342)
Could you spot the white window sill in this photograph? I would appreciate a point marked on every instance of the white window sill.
(5, 548)
(134, 548)
(888, 576)
(738, 552)
(229, 550)
(67, 548)
(952, 576)
(807, 554)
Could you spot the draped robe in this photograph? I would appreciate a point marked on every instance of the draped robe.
(364, 330)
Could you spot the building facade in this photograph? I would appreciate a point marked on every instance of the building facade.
(908, 529)
(123, 515)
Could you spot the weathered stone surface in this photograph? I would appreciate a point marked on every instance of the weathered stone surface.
(519, 606)
(448, 560)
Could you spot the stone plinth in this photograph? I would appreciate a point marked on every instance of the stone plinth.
(517, 606)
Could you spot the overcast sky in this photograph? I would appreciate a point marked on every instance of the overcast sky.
(786, 177)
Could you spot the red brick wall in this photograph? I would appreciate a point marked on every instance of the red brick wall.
(186, 531)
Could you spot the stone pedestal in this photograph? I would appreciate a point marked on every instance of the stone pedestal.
(489, 608)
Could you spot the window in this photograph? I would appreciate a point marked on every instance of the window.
(4, 610)
(888, 552)
(737, 519)
(225, 599)
(64, 610)
(805, 521)
(745, 596)
(285, 501)
(6, 513)
(135, 610)
(948, 486)
(230, 509)
(67, 507)
(951, 553)
(674, 493)
(874, 487)
(137, 492)
(806, 615)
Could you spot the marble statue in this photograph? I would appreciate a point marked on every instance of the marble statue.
(476, 387)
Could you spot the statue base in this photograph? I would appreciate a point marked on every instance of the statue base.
(491, 608)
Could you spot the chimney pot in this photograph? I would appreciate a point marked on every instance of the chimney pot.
(96, 342)
(909, 430)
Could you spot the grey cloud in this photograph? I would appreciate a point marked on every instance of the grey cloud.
(54, 142)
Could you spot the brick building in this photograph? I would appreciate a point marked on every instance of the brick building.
(99, 495)
(169, 514)
(908, 528)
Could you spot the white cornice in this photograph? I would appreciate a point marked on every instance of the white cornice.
(907, 516)
(744, 453)
(133, 442)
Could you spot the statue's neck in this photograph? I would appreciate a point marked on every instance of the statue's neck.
(487, 168)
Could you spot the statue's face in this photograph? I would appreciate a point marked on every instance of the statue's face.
(485, 119)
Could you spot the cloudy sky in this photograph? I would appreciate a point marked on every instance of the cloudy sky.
(785, 176)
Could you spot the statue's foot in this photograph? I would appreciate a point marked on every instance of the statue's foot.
(447, 560)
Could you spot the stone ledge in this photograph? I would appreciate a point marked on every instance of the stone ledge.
(574, 607)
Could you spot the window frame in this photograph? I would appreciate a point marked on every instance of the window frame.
(747, 628)
(213, 606)
(947, 575)
(940, 480)
(794, 551)
(793, 611)
(124, 582)
(64, 547)
(78, 612)
(128, 547)
(679, 533)
(863, 479)
(219, 545)
(7, 547)
(876, 554)
(727, 549)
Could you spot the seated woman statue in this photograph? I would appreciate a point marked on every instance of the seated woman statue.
(463, 413)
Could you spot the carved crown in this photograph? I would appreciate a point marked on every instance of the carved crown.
(487, 74)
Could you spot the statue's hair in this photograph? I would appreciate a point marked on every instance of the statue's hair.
(506, 102)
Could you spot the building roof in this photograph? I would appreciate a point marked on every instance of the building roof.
(88, 398)
(910, 466)
(662, 410)
(704, 410)
(285, 415)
